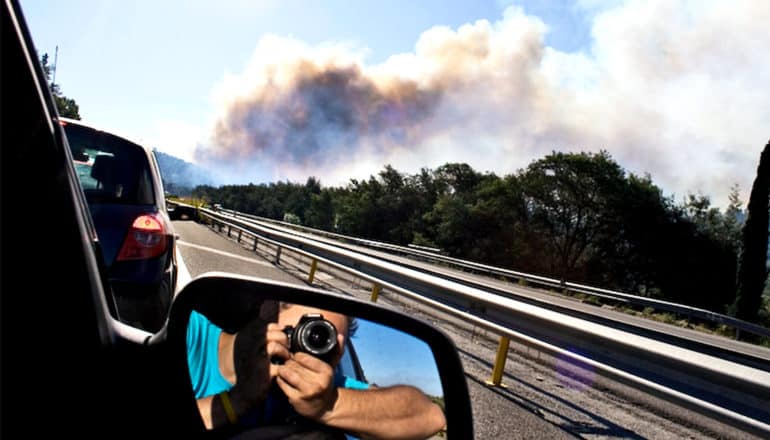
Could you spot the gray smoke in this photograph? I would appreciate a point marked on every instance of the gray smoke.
(668, 88)
(324, 113)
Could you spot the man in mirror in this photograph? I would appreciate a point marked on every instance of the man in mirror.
(236, 382)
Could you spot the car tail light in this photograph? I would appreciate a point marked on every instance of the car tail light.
(145, 239)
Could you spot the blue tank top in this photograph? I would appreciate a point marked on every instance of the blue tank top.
(203, 357)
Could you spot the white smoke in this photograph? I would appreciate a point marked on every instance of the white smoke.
(675, 89)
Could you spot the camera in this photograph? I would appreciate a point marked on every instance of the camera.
(313, 335)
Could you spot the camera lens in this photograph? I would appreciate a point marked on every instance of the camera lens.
(317, 337)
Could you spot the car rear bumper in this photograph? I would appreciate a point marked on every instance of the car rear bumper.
(145, 305)
(143, 278)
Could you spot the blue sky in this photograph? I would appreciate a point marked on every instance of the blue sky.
(132, 64)
(667, 87)
(391, 357)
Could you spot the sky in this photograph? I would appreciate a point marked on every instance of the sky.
(391, 357)
(267, 90)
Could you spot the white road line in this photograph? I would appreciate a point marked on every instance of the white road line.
(225, 254)
(182, 274)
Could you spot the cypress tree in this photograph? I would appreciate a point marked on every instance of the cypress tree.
(752, 269)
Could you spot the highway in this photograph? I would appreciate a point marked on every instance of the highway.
(543, 398)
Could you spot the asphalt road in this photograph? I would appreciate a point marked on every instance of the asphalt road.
(543, 397)
(204, 251)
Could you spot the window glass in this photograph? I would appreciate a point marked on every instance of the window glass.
(110, 169)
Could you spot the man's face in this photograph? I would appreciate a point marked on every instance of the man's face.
(291, 315)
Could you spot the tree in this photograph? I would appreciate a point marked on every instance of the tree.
(631, 251)
(580, 217)
(450, 225)
(320, 213)
(482, 222)
(725, 228)
(752, 265)
(567, 197)
(457, 178)
(731, 224)
(359, 211)
(67, 107)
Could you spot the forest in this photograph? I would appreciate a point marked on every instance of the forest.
(579, 217)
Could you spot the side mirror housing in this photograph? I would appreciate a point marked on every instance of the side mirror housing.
(388, 348)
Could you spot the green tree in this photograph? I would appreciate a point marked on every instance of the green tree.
(388, 207)
(358, 209)
(723, 227)
(320, 213)
(451, 225)
(752, 267)
(575, 216)
(291, 218)
(625, 255)
(731, 224)
(67, 107)
(402, 205)
(567, 198)
(483, 222)
(457, 178)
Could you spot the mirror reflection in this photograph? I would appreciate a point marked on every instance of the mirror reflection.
(293, 368)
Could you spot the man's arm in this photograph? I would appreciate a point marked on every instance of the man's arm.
(212, 411)
(245, 354)
(399, 412)
(402, 412)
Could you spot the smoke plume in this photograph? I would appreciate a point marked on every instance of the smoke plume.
(675, 89)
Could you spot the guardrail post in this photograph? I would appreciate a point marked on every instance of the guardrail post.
(239, 236)
(228, 231)
(254, 247)
(376, 288)
(502, 356)
(313, 267)
(278, 255)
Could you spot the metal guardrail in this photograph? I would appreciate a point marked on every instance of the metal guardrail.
(534, 280)
(732, 392)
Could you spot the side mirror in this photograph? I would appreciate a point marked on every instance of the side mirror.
(386, 353)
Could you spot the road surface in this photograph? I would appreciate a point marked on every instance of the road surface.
(543, 397)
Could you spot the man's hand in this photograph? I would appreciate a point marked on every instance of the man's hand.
(277, 347)
(308, 383)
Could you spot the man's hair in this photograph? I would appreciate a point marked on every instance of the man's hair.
(352, 326)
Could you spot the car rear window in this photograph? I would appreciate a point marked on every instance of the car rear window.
(110, 169)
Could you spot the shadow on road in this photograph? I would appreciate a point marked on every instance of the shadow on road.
(600, 427)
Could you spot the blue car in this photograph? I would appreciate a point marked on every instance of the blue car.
(122, 185)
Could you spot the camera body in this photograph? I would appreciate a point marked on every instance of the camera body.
(313, 335)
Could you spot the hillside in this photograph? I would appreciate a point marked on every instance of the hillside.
(179, 176)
